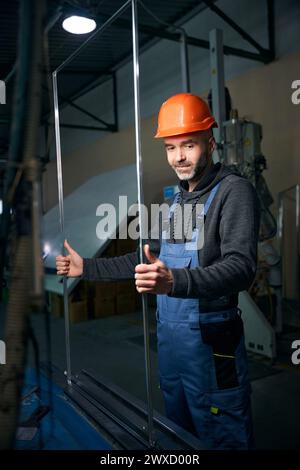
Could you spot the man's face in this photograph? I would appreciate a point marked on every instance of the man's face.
(188, 154)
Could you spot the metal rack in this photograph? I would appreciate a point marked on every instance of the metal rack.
(291, 194)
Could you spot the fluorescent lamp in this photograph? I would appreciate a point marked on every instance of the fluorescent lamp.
(79, 24)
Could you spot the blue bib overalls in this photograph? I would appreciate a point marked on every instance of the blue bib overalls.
(202, 360)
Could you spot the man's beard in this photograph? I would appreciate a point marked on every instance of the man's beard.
(196, 172)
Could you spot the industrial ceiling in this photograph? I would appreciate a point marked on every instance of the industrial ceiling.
(108, 51)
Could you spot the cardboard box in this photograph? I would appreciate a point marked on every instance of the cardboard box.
(80, 290)
(56, 303)
(78, 311)
(105, 289)
(125, 303)
(125, 287)
(104, 307)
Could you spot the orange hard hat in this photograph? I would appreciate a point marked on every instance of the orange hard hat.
(182, 114)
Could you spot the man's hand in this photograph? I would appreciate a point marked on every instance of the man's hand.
(71, 265)
(154, 278)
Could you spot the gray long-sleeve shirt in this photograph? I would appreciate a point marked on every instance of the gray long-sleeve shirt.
(227, 261)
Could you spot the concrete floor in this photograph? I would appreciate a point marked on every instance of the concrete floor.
(107, 347)
(112, 347)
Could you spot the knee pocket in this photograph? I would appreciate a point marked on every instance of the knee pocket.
(229, 415)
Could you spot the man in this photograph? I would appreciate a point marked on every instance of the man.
(201, 351)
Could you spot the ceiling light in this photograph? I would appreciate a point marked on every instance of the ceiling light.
(79, 24)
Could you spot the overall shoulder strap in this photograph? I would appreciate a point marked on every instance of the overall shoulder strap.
(210, 198)
(173, 205)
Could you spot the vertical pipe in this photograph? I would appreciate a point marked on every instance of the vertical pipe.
(217, 82)
(62, 223)
(115, 95)
(185, 73)
(280, 238)
(139, 169)
(271, 28)
(38, 285)
(298, 242)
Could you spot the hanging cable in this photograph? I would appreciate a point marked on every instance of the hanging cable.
(159, 20)
(183, 47)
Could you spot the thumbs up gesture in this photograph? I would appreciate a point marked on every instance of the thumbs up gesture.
(71, 265)
(153, 278)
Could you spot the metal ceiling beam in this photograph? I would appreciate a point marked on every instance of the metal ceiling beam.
(79, 126)
(69, 101)
(234, 26)
(271, 27)
(64, 100)
(202, 43)
(91, 84)
(265, 53)
(81, 90)
(72, 97)
(82, 72)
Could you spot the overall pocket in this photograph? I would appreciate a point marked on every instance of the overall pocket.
(173, 308)
(224, 338)
(230, 417)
